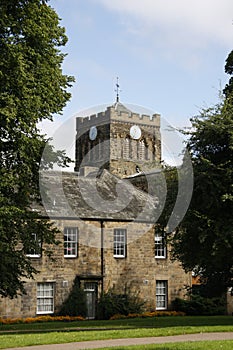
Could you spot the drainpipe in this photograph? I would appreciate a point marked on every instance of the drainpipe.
(102, 255)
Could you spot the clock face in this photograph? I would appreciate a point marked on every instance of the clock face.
(135, 132)
(93, 133)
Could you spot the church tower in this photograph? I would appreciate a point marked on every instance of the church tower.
(119, 140)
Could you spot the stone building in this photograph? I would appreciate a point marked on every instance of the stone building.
(118, 140)
(108, 235)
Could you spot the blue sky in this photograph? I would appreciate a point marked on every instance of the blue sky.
(169, 55)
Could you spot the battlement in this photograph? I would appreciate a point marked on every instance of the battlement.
(117, 112)
(84, 123)
(137, 118)
(91, 118)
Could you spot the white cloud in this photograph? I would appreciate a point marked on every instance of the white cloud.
(62, 136)
(195, 23)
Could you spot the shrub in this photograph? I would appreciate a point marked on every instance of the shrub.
(111, 304)
(198, 305)
(75, 304)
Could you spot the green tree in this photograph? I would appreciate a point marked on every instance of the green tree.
(32, 88)
(75, 304)
(203, 241)
(229, 70)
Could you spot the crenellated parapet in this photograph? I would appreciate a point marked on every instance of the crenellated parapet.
(109, 136)
(125, 115)
(118, 113)
(83, 124)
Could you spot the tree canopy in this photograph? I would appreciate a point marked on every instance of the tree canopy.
(228, 91)
(203, 241)
(32, 88)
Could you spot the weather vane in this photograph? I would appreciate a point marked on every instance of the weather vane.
(117, 90)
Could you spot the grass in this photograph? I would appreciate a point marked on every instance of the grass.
(128, 328)
(202, 345)
(155, 322)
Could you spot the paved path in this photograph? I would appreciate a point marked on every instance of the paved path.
(132, 341)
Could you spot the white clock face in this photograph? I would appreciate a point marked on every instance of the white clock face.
(93, 133)
(135, 132)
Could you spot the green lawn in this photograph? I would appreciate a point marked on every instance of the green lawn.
(155, 322)
(71, 331)
(210, 345)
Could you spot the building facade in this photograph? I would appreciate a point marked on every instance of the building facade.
(142, 267)
(108, 234)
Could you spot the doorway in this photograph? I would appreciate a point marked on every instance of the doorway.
(90, 289)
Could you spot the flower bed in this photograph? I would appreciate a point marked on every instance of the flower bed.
(41, 319)
(80, 318)
(148, 314)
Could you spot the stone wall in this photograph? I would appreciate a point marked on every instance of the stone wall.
(94, 153)
(113, 143)
(137, 272)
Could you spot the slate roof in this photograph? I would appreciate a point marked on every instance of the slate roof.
(69, 195)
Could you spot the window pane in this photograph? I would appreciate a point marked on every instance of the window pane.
(35, 250)
(119, 248)
(160, 246)
(45, 298)
(161, 295)
(70, 241)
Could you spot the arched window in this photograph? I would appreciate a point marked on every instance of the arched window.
(146, 151)
(89, 152)
(98, 150)
(126, 148)
(141, 150)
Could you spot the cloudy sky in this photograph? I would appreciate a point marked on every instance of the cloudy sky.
(169, 55)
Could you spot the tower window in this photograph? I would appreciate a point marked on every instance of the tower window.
(126, 148)
(141, 150)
